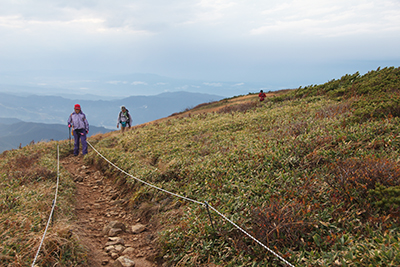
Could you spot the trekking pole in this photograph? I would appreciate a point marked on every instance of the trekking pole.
(69, 131)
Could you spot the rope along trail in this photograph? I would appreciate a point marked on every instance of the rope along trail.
(192, 200)
(52, 208)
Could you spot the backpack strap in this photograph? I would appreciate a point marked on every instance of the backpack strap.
(128, 119)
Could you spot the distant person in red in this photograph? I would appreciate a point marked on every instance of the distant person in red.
(77, 120)
(262, 95)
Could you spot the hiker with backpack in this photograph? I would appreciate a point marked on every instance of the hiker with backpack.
(124, 118)
(78, 123)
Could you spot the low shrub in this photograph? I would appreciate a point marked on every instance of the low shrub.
(354, 179)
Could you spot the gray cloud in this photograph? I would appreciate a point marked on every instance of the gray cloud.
(289, 42)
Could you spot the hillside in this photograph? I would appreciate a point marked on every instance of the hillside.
(312, 173)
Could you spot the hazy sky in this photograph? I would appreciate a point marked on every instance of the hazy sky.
(285, 43)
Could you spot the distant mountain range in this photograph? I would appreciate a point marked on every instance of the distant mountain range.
(24, 119)
(56, 109)
(15, 133)
(97, 85)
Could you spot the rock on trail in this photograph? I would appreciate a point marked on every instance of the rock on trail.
(111, 233)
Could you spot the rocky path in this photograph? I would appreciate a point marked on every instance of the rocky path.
(112, 233)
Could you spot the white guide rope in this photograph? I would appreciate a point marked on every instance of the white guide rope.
(195, 201)
(52, 208)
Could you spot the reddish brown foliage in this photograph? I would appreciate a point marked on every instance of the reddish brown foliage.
(282, 224)
(25, 169)
(353, 178)
(238, 108)
(25, 161)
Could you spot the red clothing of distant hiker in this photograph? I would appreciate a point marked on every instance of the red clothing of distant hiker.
(262, 95)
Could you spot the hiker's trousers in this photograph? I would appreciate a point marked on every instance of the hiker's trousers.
(80, 136)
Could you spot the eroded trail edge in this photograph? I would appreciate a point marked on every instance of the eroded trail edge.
(112, 233)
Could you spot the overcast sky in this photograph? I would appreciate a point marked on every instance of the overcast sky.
(285, 43)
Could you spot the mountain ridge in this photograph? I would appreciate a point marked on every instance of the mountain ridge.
(117, 85)
(313, 175)
(102, 113)
(25, 117)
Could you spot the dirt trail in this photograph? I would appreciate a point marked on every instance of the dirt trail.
(97, 204)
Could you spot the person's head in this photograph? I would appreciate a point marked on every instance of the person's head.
(261, 91)
(77, 108)
(123, 108)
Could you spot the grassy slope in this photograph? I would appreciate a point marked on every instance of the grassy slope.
(27, 179)
(313, 174)
(297, 172)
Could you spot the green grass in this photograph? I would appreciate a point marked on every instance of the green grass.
(28, 180)
(302, 173)
(313, 174)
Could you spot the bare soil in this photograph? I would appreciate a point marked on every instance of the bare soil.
(98, 202)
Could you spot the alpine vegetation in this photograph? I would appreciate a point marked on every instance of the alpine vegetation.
(312, 173)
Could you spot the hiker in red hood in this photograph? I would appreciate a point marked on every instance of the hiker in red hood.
(77, 120)
(262, 95)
